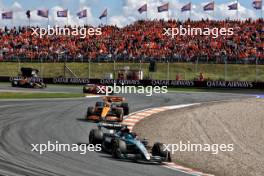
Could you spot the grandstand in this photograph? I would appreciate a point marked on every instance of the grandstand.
(141, 41)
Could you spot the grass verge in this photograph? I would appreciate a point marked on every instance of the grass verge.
(216, 90)
(37, 95)
(187, 71)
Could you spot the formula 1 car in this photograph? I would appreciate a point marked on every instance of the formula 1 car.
(94, 89)
(113, 108)
(117, 140)
(28, 79)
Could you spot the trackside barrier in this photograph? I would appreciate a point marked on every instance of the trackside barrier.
(169, 83)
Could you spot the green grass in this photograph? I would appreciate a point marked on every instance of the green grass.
(217, 90)
(187, 71)
(37, 95)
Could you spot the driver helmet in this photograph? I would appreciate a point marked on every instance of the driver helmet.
(125, 130)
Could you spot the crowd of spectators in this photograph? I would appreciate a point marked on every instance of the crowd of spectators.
(140, 41)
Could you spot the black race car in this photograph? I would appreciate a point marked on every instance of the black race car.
(28, 79)
(117, 140)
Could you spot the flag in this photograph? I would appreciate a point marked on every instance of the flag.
(232, 6)
(28, 14)
(163, 8)
(187, 7)
(43, 13)
(62, 13)
(82, 14)
(209, 6)
(7, 15)
(143, 8)
(104, 14)
(257, 4)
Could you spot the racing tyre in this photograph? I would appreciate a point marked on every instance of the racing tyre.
(120, 115)
(119, 148)
(158, 149)
(96, 136)
(125, 108)
(14, 83)
(99, 104)
(90, 111)
(84, 90)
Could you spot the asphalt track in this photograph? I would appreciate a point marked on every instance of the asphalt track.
(23, 123)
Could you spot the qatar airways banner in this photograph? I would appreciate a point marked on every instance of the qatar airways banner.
(169, 83)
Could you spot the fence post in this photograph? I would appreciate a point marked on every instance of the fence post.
(256, 69)
(40, 68)
(196, 65)
(114, 69)
(168, 70)
(18, 60)
(225, 69)
(89, 67)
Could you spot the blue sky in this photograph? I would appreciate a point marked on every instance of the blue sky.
(121, 12)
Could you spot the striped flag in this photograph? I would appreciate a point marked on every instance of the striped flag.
(209, 6)
(7, 15)
(82, 14)
(257, 4)
(187, 7)
(104, 14)
(62, 13)
(143, 8)
(232, 6)
(43, 13)
(163, 8)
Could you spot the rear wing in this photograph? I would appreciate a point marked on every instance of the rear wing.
(113, 126)
(114, 98)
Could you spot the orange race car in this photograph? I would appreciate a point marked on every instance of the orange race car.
(112, 108)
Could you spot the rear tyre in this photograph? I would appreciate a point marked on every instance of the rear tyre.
(125, 108)
(14, 84)
(96, 136)
(120, 115)
(158, 149)
(90, 111)
(119, 148)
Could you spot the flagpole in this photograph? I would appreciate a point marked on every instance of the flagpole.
(191, 11)
(13, 15)
(48, 20)
(29, 18)
(237, 10)
(147, 10)
(106, 20)
(67, 18)
(214, 11)
(261, 9)
(168, 11)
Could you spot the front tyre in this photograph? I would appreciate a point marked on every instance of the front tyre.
(96, 136)
(158, 149)
(90, 111)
